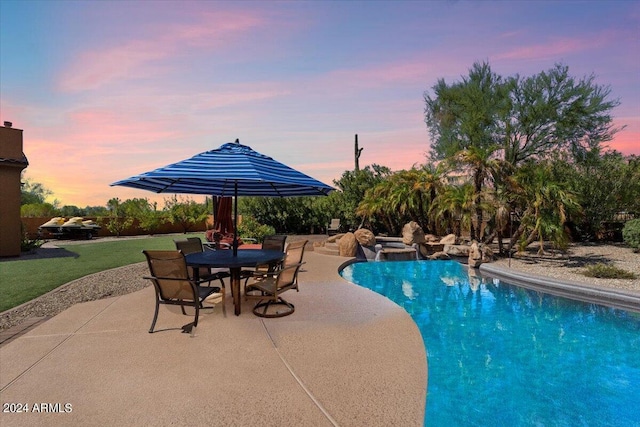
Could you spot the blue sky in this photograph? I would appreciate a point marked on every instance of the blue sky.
(107, 89)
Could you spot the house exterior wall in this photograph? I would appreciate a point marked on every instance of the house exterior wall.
(12, 162)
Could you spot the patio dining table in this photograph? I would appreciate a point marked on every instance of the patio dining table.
(226, 259)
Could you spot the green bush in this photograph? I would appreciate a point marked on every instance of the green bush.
(631, 234)
(607, 271)
(250, 228)
(27, 244)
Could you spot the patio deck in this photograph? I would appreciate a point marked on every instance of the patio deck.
(347, 357)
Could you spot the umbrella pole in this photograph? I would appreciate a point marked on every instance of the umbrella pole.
(235, 219)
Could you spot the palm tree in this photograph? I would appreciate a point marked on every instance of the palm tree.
(405, 195)
(375, 203)
(454, 206)
(429, 183)
(546, 205)
(486, 170)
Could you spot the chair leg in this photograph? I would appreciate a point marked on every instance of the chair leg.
(224, 301)
(155, 317)
(195, 320)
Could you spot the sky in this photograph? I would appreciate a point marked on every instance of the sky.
(105, 90)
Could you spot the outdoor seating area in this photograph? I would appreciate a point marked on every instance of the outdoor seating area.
(273, 272)
(331, 360)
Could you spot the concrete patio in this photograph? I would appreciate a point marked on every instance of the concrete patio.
(347, 357)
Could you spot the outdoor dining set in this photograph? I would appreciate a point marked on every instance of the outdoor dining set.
(230, 171)
(179, 276)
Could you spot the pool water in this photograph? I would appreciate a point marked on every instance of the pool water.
(502, 355)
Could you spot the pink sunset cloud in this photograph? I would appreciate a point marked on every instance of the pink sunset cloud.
(551, 50)
(627, 141)
(555, 48)
(132, 59)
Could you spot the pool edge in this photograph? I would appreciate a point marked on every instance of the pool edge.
(616, 298)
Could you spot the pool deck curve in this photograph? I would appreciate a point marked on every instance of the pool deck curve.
(346, 357)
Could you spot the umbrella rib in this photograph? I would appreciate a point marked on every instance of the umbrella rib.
(275, 189)
(169, 184)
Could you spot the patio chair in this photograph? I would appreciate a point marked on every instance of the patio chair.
(333, 227)
(270, 285)
(294, 255)
(275, 242)
(173, 286)
(192, 245)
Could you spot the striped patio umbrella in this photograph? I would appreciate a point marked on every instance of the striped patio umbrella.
(231, 170)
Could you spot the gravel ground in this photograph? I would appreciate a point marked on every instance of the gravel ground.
(572, 264)
(124, 280)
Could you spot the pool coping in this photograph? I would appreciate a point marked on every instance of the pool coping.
(611, 297)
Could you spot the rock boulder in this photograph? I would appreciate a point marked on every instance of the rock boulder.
(479, 253)
(475, 255)
(348, 245)
(440, 255)
(412, 233)
(334, 238)
(365, 237)
(449, 239)
(457, 250)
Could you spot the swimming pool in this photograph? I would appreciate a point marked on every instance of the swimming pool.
(503, 355)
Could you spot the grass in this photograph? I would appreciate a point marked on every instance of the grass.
(22, 280)
(608, 271)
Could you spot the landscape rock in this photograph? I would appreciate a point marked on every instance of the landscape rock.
(449, 239)
(335, 238)
(365, 237)
(412, 233)
(457, 250)
(475, 255)
(440, 255)
(487, 253)
(433, 247)
(348, 245)
(431, 238)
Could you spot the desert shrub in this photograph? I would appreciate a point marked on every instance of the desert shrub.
(27, 244)
(608, 271)
(631, 234)
(250, 228)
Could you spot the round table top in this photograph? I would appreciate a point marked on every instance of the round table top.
(225, 258)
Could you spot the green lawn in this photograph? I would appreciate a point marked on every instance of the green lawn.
(22, 280)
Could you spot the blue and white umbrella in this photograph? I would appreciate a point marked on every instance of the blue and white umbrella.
(231, 170)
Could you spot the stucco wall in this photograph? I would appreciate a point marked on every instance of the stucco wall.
(12, 162)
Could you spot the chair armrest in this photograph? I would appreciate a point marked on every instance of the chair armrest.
(194, 283)
(211, 246)
(275, 273)
(169, 278)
